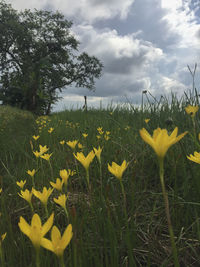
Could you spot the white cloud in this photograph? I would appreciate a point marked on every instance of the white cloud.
(120, 54)
(182, 20)
(87, 10)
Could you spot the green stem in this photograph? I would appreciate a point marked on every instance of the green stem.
(2, 256)
(62, 264)
(123, 193)
(37, 259)
(66, 212)
(33, 182)
(46, 210)
(166, 201)
(51, 168)
(88, 177)
(100, 173)
(31, 205)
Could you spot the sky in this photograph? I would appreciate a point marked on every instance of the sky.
(143, 45)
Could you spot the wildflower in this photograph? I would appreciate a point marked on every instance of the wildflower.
(1, 190)
(36, 231)
(85, 161)
(72, 144)
(2, 238)
(36, 137)
(106, 137)
(43, 149)
(80, 146)
(50, 130)
(64, 174)
(100, 130)
(21, 183)
(61, 200)
(27, 195)
(84, 135)
(58, 185)
(191, 110)
(127, 128)
(98, 137)
(58, 244)
(195, 158)
(46, 156)
(31, 144)
(44, 195)
(31, 173)
(118, 170)
(147, 120)
(71, 173)
(62, 142)
(98, 153)
(161, 141)
(37, 154)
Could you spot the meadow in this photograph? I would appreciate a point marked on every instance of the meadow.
(117, 213)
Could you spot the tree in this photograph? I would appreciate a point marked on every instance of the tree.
(39, 58)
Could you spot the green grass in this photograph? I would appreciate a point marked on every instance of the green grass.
(106, 230)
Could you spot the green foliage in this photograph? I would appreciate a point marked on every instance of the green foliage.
(38, 59)
(108, 231)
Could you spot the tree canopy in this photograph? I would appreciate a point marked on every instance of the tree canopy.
(39, 58)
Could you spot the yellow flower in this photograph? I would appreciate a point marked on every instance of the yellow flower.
(72, 144)
(31, 173)
(161, 141)
(85, 161)
(43, 149)
(84, 135)
(36, 137)
(98, 153)
(27, 195)
(51, 130)
(80, 145)
(36, 231)
(46, 156)
(37, 154)
(118, 170)
(1, 190)
(58, 244)
(195, 158)
(44, 195)
(61, 200)
(100, 130)
(71, 173)
(21, 183)
(127, 128)
(58, 185)
(106, 137)
(2, 238)
(31, 143)
(147, 120)
(62, 142)
(191, 110)
(98, 136)
(64, 174)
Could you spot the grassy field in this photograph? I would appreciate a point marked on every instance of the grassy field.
(111, 227)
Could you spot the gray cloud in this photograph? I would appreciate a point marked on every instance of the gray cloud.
(143, 44)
